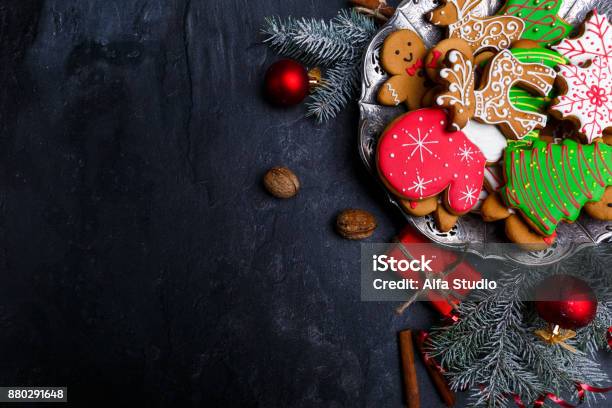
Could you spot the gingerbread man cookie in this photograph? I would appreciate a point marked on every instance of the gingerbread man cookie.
(493, 33)
(586, 85)
(491, 103)
(402, 57)
(417, 159)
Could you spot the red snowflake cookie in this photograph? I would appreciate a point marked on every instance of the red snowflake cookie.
(418, 158)
(588, 82)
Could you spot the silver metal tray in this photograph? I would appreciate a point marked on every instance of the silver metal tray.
(470, 229)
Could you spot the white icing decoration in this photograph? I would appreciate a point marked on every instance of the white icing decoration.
(469, 194)
(589, 90)
(492, 102)
(490, 32)
(420, 142)
(419, 185)
(494, 182)
(394, 94)
(461, 81)
(488, 138)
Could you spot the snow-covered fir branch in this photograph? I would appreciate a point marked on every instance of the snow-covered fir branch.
(493, 351)
(336, 46)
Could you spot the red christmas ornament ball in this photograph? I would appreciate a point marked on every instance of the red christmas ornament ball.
(286, 83)
(565, 301)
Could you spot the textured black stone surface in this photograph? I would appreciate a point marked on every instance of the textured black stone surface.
(142, 262)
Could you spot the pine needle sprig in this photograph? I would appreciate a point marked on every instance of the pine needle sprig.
(311, 41)
(493, 351)
(335, 92)
(336, 46)
(355, 26)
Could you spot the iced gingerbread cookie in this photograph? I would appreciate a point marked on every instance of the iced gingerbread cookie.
(586, 85)
(523, 99)
(490, 104)
(493, 182)
(529, 52)
(548, 183)
(435, 58)
(481, 33)
(602, 209)
(488, 138)
(517, 230)
(445, 220)
(402, 57)
(419, 208)
(418, 158)
(542, 24)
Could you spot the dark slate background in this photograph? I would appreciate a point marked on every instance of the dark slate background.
(142, 262)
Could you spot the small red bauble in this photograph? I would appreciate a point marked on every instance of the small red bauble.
(565, 301)
(286, 83)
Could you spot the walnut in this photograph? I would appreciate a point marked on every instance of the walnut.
(281, 182)
(355, 224)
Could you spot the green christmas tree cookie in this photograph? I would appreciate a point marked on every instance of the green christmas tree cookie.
(542, 24)
(549, 183)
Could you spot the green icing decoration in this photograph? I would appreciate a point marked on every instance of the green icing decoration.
(552, 182)
(521, 98)
(542, 24)
(543, 56)
(527, 140)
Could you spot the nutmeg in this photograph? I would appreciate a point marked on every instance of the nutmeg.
(281, 182)
(355, 224)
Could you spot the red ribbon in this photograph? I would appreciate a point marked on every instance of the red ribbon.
(540, 401)
(580, 387)
(559, 401)
(422, 337)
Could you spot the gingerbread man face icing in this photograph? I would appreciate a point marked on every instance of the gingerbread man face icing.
(417, 158)
(401, 50)
(402, 57)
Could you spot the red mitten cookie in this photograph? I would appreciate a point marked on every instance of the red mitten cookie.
(418, 158)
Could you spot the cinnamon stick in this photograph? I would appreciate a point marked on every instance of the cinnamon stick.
(375, 5)
(446, 394)
(411, 386)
